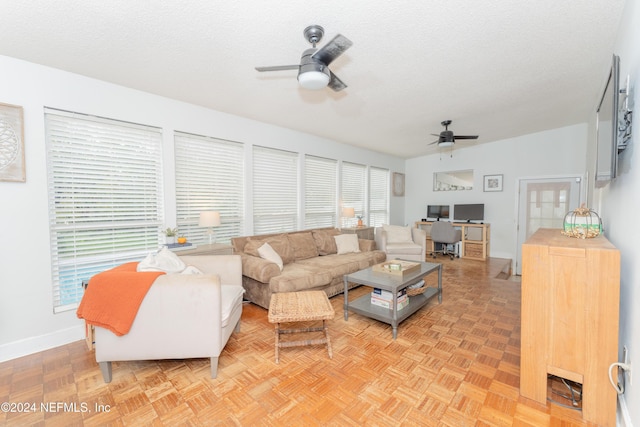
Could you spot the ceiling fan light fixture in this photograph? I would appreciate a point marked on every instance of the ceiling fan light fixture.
(445, 144)
(313, 80)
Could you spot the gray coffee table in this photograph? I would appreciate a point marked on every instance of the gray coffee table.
(393, 284)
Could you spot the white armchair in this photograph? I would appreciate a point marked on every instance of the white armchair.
(402, 242)
(182, 316)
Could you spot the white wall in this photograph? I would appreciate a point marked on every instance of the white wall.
(556, 152)
(27, 322)
(619, 205)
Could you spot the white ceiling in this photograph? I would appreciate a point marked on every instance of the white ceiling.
(497, 68)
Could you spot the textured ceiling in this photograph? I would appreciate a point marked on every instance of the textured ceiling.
(497, 68)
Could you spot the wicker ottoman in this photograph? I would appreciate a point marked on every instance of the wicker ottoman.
(290, 307)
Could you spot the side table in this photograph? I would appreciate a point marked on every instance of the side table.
(290, 307)
(362, 232)
(208, 249)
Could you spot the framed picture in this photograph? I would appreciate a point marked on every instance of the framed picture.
(493, 183)
(11, 144)
(398, 184)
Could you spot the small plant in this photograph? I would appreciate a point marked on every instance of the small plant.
(171, 232)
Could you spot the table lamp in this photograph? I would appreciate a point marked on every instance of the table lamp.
(210, 219)
(348, 212)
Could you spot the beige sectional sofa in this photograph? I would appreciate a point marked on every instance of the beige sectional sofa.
(310, 261)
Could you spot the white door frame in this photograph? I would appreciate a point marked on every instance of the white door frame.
(582, 192)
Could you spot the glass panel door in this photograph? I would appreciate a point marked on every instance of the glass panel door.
(544, 203)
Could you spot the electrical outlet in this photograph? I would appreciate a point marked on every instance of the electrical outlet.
(627, 361)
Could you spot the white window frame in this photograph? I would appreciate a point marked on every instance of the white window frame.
(105, 197)
(209, 177)
(275, 190)
(379, 185)
(320, 192)
(353, 185)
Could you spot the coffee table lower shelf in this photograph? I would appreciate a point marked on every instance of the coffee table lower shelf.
(364, 307)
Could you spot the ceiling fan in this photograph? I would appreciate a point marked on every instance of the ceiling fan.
(313, 71)
(446, 138)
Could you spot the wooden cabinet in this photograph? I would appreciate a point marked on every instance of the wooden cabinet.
(475, 239)
(570, 304)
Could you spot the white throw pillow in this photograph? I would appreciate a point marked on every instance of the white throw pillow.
(267, 252)
(164, 260)
(397, 234)
(347, 243)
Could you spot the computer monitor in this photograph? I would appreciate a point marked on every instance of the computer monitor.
(468, 213)
(437, 212)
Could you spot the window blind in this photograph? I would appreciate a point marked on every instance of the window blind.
(378, 197)
(275, 190)
(320, 180)
(353, 190)
(209, 177)
(105, 197)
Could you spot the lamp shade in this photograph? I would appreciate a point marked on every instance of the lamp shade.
(209, 219)
(314, 80)
(348, 212)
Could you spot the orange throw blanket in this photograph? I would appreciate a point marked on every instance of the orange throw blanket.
(113, 297)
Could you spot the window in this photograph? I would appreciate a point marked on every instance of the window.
(378, 197)
(275, 190)
(209, 177)
(320, 192)
(353, 190)
(105, 197)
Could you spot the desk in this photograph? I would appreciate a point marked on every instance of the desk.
(475, 239)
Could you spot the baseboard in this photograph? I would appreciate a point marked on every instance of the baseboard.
(623, 418)
(28, 346)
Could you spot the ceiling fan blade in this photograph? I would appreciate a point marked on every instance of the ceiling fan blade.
(278, 68)
(335, 83)
(466, 136)
(434, 142)
(333, 49)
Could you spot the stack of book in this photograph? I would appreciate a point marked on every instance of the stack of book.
(382, 298)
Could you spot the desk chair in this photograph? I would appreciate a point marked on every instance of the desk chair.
(443, 234)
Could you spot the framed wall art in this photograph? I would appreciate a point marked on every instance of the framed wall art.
(493, 183)
(11, 143)
(398, 184)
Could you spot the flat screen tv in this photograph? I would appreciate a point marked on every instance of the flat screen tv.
(607, 127)
(438, 211)
(468, 213)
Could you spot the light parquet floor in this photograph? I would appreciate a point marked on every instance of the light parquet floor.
(453, 364)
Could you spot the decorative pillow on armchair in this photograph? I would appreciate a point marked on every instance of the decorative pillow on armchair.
(397, 234)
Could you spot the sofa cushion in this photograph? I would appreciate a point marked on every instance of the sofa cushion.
(403, 248)
(347, 243)
(325, 243)
(267, 252)
(279, 243)
(231, 297)
(258, 269)
(298, 276)
(337, 265)
(397, 234)
(303, 245)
